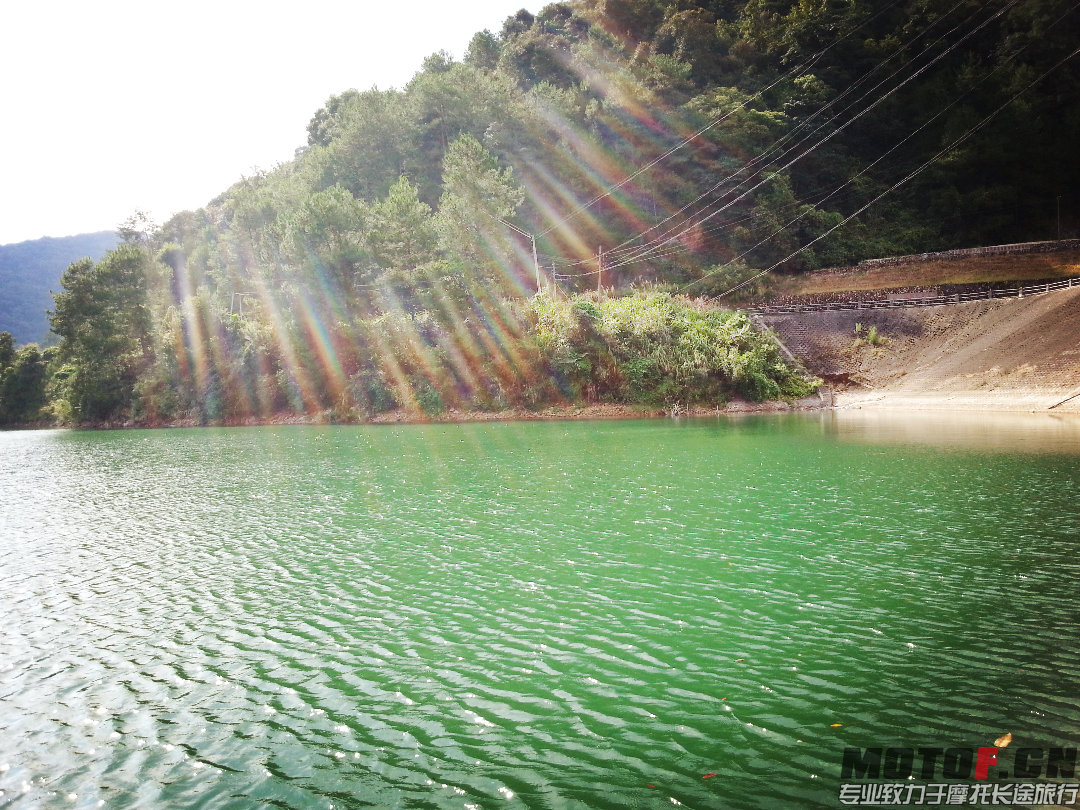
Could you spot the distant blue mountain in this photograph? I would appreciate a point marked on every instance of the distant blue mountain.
(29, 274)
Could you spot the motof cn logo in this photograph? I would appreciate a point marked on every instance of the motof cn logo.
(957, 763)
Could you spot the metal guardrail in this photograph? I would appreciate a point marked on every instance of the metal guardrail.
(928, 301)
(963, 253)
(958, 253)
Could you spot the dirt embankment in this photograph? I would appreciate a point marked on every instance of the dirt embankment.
(930, 276)
(1006, 354)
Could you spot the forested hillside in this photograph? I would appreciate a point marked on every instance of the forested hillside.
(30, 273)
(784, 117)
(689, 145)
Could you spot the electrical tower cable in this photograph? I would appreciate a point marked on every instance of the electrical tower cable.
(867, 168)
(910, 135)
(794, 72)
(802, 125)
(646, 250)
(955, 143)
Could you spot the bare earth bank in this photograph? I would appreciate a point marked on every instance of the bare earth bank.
(999, 355)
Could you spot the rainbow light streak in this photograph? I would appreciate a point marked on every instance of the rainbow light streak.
(385, 353)
(284, 343)
(500, 326)
(599, 165)
(314, 316)
(560, 191)
(187, 340)
(462, 349)
(318, 341)
(496, 246)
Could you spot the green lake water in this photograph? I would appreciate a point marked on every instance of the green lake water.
(637, 614)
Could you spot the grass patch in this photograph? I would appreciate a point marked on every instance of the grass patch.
(868, 337)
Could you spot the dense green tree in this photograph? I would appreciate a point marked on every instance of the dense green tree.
(635, 20)
(401, 232)
(7, 349)
(477, 195)
(328, 121)
(372, 136)
(324, 236)
(517, 24)
(438, 62)
(102, 316)
(691, 36)
(539, 55)
(483, 51)
(23, 376)
(444, 105)
(22, 386)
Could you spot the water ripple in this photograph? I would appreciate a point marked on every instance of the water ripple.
(501, 615)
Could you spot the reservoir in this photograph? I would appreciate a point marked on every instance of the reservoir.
(699, 613)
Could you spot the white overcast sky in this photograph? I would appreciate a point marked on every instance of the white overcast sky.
(117, 105)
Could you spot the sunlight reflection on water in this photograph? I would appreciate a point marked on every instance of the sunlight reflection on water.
(527, 615)
(992, 432)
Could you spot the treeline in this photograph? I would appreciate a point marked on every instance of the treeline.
(653, 144)
(786, 118)
(647, 348)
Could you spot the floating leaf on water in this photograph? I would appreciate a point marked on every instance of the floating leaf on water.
(1004, 740)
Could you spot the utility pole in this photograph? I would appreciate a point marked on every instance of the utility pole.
(536, 264)
(599, 267)
(1059, 216)
(532, 239)
(239, 297)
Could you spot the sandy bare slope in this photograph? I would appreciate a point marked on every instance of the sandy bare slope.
(1008, 354)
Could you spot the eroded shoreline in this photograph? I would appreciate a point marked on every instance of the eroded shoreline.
(883, 400)
(592, 411)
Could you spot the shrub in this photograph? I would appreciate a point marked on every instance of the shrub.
(872, 338)
(658, 349)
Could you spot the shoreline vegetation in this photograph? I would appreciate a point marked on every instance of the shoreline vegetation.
(584, 356)
(596, 411)
(864, 400)
(847, 401)
(641, 356)
(530, 226)
(653, 355)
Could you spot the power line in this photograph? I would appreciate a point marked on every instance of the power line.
(791, 73)
(967, 134)
(662, 238)
(867, 168)
(658, 243)
(800, 126)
